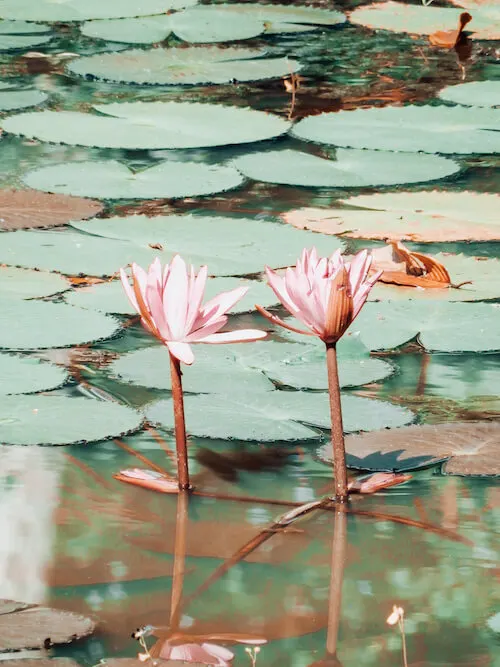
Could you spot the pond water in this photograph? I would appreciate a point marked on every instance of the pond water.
(77, 539)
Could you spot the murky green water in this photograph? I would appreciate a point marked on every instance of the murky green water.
(79, 540)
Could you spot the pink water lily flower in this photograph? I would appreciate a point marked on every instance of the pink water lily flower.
(204, 654)
(169, 301)
(324, 293)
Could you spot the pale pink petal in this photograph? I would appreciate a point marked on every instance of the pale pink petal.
(129, 290)
(200, 334)
(195, 298)
(358, 270)
(307, 310)
(361, 295)
(175, 298)
(278, 285)
(223, 302)
(154, 298)
(277, 320)
(238, 336)
(199, 654)
(219, 651)
(181, 351)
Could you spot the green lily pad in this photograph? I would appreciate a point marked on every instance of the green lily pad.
(441, 326)
(177, 66)
(113, 180)
(275, 416)
(285, 18)
(34, 325)
(303, 366)
(392, 461)
(69, 253)
(144, 30)
(431, 129)
(26, 375)
(229, 246)
(16, 35)
(473, 94)
(60, 420)
(24, 284)
(350, 168)
(149, 125)
(424, 20)
(110, 297)
(423, 217)
(215, 371)
(81, 10)
(14, 97)
(472, 448)
(209, 24)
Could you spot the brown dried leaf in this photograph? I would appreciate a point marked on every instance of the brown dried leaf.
(377, 481)
(409, 269)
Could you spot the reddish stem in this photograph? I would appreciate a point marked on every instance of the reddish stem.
(339, 465)
(180, 424)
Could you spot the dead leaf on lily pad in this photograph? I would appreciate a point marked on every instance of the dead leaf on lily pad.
(401, 266)
(23, 209)
(472, 448)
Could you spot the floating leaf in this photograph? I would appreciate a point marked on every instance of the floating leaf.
(60, 420)
(29, 208)
(144, 30)
(229, 246)
(405, 268)
(113, 180)
(26, 375)
(275, 416)
(215, 371)
(412, 216)
(38, 626)
(24, 284)
(16, 35)
(441, 326)
(149, 125)
(69, 253)
(350, 168)
(431, 129)
(472, 448)
(392, 461)
(191, 65)
(33, 325)
(473, 94)
(81, 10)
(423, 20)
(13, 97)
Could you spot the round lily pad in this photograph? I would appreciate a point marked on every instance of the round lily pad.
(473, 94)
(144, 30)
(29, 208)
(25, 284)
(34, 325)
(60, 420)
(424, 20)
(431, 129)
(229, 246)
(441, 326)
(12, 97)
(215, 371)
(350, 168)
(81, 10)
(26, 375)
(113, 180)
(275, 416)
(16, 35)
(472, 448)
(177, 66)
(149, 125)
(387, 461)
(38, 626)
(68, 252)
(413, 216)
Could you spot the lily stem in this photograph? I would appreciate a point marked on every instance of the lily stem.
(339, 465)
(180, 424)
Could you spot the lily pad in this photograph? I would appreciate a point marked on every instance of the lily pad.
(276, 415)
(29, 208)
(113, 180)
(431, 129)
(14, 97)
(303, 366)
(286, 18)
(81, 10)
(70, 253)
(424, 20)
(142, 125)
(16, 35)
(229, 246)
(24, 284)
(183, 66)
(381, 462)
(473, 94)
(38, 626)
(26, 375)
(215, 371)
(424, 217)
(441, 326)
(472, 448)
(34, 325)
(350, 168)
(60, 420)
(144, 30)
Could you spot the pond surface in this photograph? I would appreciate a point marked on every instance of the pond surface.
(75, 538)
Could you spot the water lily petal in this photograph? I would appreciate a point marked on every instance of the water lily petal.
(129, 290)
(200, 334)
(277, 320)
(181, 351)
(175, 297)
(238, 336)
